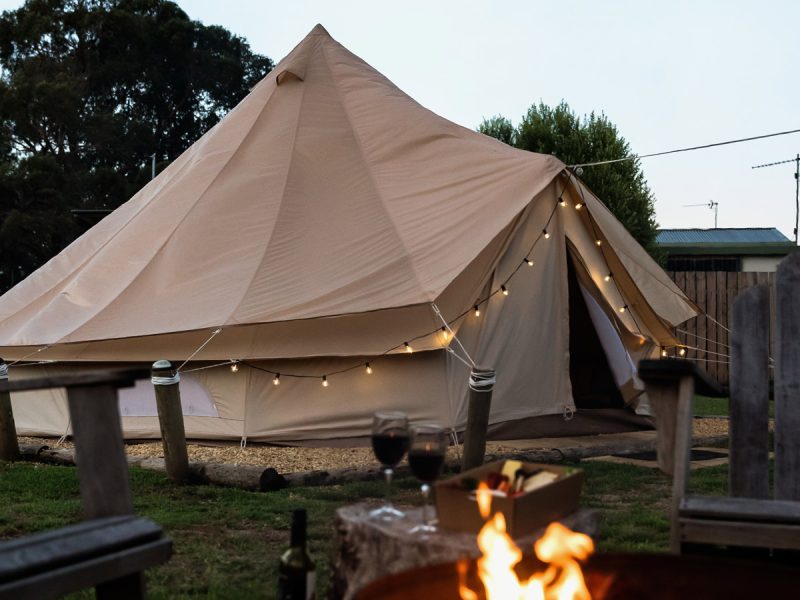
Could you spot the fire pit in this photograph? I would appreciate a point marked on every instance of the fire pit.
(616, 577)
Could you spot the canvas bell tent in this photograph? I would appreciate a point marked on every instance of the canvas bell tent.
(330, 223)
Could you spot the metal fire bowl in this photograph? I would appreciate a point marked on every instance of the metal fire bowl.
(618, 577)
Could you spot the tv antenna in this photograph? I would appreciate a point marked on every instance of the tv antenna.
(710, 204)
(796, 161)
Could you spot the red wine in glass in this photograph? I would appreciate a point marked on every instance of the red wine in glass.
(389, 442)
(426, 465)
(426, 456)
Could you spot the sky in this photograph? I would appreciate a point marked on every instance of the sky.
(667, 74)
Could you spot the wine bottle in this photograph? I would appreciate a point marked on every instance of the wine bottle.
(296, 574)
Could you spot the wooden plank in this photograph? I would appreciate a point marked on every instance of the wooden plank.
(118, 378)
(700, 343)
(787, 379)
(102, 467)
(683, 448)
(741, 509)
(748, 475)
(772, 325)
(691, 324)
(711, 327)
(722, 334)
(740, 533)
(9, 446)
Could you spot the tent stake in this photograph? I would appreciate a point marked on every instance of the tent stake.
(170, 419)
(481, 385)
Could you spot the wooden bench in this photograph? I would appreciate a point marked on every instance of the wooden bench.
(112, 548)
(748, 518)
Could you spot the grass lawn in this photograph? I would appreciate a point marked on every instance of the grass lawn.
(227, 541)
(718, 407)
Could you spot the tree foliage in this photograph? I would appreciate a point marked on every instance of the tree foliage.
(89, 91)
(575, 140)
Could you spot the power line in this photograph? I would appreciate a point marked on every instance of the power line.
(737, 141)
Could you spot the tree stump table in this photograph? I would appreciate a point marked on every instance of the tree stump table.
(365, 550)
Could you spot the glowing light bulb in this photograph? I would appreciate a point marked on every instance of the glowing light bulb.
(528, 261)
(578, 206)
(445, 334)
(369, 369)
(504, 289)
(623, 308)
(324, 381)
(546, 235)
(608, 277)
(562, 202)
(277, 379)
(682, 352)
(664, 353)
(409, 349)
(599, 242)
(234, 368)
(477, 311)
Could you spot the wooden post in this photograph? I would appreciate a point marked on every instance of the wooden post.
(748, 475)
(787, 379)
(170, 418)
(481, 385)
(9, 446)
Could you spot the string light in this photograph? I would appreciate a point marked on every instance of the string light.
(578, 206)
(504, 289)
(324, 381)
(528, 261)
(623, 308)
(408, 348)
(445, 333)
(599, 242)
(608, 277)
(234, 368)
(368, 369)
(682, 352)
(562, 202)
(477, 311)
(277, 379)
(664, 353)
(546, 235)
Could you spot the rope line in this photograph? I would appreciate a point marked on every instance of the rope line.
(203, 345)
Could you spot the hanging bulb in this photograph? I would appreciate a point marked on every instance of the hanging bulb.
(409, 349)
(623, 308)
(578, 206)
(598, 242)
(234, 368)
(642, 340)
(528, 261)
(546, 235)
(682, 352)
(504, 289)
(477, 311)
(277, 379)
(562, 202)
(445, 333)
(608, 277)
(664, 353)
(324, 381)
(368, 369)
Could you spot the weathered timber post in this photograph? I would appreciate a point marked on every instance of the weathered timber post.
(9, 446)
(170, 418)
(481, 385)
(787, 379)
(748, 475)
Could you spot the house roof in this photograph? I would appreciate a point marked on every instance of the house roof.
(730, 241)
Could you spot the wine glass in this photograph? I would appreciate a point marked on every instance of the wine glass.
(390, 443)
(426, 458)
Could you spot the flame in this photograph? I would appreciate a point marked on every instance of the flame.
(560, 547)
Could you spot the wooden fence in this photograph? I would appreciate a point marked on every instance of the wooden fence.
(706, 337)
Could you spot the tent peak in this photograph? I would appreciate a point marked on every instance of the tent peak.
(319, 30)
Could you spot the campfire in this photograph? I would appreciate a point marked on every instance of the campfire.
(560, 549)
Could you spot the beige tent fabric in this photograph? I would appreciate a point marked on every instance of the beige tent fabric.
(318, 227)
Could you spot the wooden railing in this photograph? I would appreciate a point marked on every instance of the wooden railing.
(707, 336)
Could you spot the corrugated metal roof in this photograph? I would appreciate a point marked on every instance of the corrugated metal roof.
(747, 235)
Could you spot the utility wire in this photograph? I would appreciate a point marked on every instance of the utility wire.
(637, 156)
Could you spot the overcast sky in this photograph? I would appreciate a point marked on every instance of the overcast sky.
(668, 74)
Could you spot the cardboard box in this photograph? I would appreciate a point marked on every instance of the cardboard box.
(457, 508)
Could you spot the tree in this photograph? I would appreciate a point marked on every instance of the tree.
(574, 140)
(89, 91)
